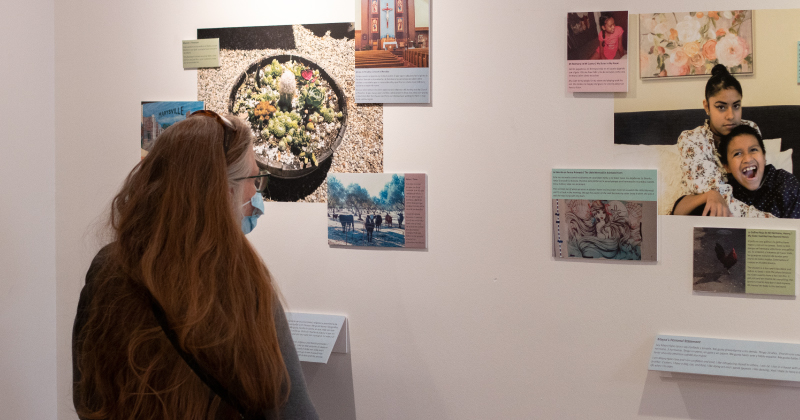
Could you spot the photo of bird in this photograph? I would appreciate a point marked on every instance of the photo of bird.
(719, 260)
(727, 261)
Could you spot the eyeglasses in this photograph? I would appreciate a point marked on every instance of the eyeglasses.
(227, 126)
(260, 179)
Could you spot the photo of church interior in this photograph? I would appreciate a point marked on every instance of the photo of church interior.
(392, 33)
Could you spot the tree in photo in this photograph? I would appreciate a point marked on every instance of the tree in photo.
(336, 194)
(357, 199)
(393, 194)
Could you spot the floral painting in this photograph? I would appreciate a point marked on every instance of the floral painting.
(687, 44)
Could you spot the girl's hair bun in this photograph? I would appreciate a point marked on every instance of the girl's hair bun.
(719, 69)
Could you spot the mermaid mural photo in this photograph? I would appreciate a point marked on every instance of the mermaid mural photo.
(608, 229)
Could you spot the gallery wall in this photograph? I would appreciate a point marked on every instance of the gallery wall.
(27, 213)
(775, 36)
(484, 323)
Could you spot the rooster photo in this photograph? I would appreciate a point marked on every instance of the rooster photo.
(720, 260)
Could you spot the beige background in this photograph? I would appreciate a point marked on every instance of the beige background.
(775, 34)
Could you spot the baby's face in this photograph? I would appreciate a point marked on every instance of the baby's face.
(746, 161)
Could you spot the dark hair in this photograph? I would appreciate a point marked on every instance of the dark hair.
(603, 18)
(741, 130)
(721, 79)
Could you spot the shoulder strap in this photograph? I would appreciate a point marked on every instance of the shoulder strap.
(204, 376)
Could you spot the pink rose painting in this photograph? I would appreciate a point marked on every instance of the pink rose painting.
(731, 50)
(691, 43)
(678, 64)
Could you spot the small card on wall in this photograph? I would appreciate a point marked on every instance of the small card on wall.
(597, 51)
(200, 53)
(377, 210)
(392, 54)
(605, 214)
(315, 336)
(756, 261)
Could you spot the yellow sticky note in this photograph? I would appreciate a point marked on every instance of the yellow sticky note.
(199, 53)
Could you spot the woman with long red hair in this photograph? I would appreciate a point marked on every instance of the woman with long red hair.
(179, 317)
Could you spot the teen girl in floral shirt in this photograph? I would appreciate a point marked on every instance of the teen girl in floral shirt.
(704, 181)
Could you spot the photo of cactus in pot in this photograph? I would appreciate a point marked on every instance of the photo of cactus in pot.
(293, 111)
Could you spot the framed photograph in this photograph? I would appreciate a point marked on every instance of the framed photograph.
(691, 43)
(751, 261)
(316, 115)
(377, 210)
(400, 24)
(597, 51)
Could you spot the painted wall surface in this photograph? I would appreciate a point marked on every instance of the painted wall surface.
(483, 324)
(775, 35)
(27, 212)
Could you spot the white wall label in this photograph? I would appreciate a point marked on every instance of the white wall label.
(721, 357)
(316, 335)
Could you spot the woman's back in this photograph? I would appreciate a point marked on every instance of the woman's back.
(179, 246)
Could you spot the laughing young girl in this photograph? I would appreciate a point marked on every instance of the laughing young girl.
(753, 181)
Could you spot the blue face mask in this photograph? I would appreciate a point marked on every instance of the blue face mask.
(249, 222)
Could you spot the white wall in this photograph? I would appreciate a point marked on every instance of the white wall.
(484, 324)
(27, 213)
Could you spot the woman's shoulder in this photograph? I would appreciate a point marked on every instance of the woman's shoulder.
(98, 263)
(699, 133)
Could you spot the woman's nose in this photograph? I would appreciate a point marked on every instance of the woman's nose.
(729, 114)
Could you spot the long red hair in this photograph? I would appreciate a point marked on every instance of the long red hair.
(177, 234)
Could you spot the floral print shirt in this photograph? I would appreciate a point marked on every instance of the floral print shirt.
(703, 172)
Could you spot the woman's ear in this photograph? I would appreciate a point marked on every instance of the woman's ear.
(705, 106)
